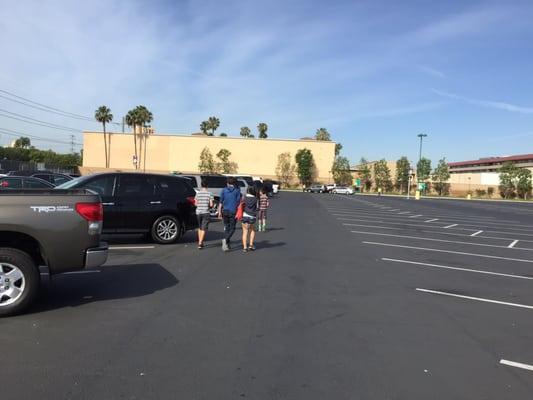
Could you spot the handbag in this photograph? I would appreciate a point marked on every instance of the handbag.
(240, 211)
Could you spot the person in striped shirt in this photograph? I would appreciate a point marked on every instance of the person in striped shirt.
(263, 206)
(204, 202)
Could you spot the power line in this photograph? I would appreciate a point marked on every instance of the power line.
(10, 132)
(44, 107)
(34, 121)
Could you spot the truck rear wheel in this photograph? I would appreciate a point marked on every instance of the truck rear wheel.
(19, 281)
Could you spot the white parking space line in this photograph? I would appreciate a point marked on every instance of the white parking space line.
(484, 236)
(375, 226)
(516, 364)
(404, 212)
(130, 247)
(432, 220)
(415, 216)
(448, 251)
(513, 243)
(474, 298)
(450, 226)
(476, 233)
(478, 271)
(436, 240)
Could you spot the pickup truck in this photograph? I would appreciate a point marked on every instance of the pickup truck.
(59, 229)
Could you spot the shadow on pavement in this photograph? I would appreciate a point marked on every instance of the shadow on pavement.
(111, 283)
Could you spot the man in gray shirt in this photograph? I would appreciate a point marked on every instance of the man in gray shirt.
(204, 202)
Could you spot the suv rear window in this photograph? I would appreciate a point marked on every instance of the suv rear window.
(191, 179)
(136, 185)
(170, 186)
(214, 181)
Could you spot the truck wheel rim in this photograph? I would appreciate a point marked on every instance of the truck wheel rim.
(167, 229)
(12, 284)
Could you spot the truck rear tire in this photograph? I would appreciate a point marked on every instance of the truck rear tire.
(19, 281)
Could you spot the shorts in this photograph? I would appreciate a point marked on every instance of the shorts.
(262, 214)
(203, 221)
(249, 220)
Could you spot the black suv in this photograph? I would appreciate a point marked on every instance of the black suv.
(54, 178)
(162, 205)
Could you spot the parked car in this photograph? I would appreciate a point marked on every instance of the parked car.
(215, 184)
(330, 187)
(53, 177)
(23, 182)
(343, 190)
(316, 188)
(59, 229)
(161, 205)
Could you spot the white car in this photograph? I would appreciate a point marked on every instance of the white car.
(342, 190)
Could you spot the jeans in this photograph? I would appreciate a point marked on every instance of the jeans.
(229, 224)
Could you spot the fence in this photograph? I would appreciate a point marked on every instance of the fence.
(10, 165)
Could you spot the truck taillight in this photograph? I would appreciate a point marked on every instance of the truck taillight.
(92, 212)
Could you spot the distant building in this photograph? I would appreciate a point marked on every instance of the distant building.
(168, 153)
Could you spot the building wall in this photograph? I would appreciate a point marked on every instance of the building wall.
(165, 153)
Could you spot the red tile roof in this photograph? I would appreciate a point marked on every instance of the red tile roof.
(488, 160)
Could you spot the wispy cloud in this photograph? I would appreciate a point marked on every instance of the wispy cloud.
(486, 103)
(431, 71)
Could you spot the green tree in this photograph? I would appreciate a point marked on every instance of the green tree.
(251, 136)
(225, 166)
(207, 163)
(523, 183)
(338, 148)
(440, 177)
(223, 134)
(365, 174)
(382, 176)
(23, 142)
(204, 127)
(423, 169)
(322, 134)
(402, 174)
(104, 116)
(131, 121)
(143, 117)
(285, 169)
(213, 124)
(341, 171)
(305, 166)
(508, 173)
(262, 128)
(245, 131)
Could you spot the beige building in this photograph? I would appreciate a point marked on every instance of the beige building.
(168, 153)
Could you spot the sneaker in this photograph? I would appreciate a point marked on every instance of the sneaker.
(224, 245)
(251, 248)
(245, 250)
(200, 246)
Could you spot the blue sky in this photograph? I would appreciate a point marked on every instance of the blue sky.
(374, 73)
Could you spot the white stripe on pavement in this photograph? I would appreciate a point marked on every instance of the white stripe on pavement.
(474, 298)
(449, 251)
(130, 247)
(456, 268)
(415, 216)
(476, 233)
(450, 226)
(513, 243)
(437, 240)
(432, 220)
(516, 364)
(375, 226)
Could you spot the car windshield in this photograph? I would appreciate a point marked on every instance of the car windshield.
(71, 184)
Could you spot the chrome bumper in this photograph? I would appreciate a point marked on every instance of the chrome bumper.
(96, 256)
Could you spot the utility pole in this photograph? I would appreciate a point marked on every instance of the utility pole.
(123, 122)
(72, 138)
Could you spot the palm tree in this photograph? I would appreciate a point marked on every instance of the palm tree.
(262, 128)
(245, 131)
(204, 127)
(144, 117)
(214, 123)
(131, 121)
(104, 116)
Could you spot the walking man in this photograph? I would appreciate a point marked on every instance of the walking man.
(230, 199)
(204, 202)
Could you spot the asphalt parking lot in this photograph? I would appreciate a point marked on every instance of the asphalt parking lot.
(346, 297)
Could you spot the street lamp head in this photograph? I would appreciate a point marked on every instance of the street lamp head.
(421, 135)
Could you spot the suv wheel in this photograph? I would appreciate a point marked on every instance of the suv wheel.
(166, 229)
(19, 281)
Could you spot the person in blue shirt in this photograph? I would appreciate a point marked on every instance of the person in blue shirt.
(230, 199)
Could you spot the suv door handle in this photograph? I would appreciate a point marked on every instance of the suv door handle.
(155, 202)
(108, 204)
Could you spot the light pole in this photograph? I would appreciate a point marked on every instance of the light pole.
(409, 182)
(421, 136)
